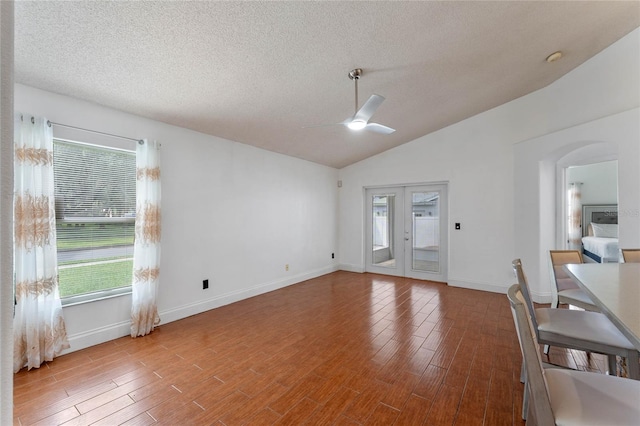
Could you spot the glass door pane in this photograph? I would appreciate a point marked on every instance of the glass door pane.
(425, 228)
(384, 236)
(383, 249)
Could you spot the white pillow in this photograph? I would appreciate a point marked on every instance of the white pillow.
(605, 230)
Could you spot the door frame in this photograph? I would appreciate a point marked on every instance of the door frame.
(400, 269)
(397, 269)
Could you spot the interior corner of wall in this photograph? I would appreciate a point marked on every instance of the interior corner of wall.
(351, 268)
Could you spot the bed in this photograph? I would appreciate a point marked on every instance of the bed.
(600, 232)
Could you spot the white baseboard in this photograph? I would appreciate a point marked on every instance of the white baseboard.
(99, 335)
(351, 268)
(536, 296)
(96, 336)
(452, 282)
(232, 297)
(478, 286)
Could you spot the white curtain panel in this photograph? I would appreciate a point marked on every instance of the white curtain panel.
(575, 217)
(38, 327)
(146, 252)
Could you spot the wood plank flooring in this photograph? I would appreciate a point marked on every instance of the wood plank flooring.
(342, 349)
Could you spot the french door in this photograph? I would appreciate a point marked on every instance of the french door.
(406, 231)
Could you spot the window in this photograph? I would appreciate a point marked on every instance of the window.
(95, 189)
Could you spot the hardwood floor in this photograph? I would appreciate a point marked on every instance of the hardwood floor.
(343, 349)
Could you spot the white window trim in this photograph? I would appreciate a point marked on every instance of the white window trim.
(96, 296)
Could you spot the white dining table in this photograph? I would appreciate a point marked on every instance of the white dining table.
(615, 289)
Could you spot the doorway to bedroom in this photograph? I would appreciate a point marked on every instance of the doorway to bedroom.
(591, 196)
(406, 231)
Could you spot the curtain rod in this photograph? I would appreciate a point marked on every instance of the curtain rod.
(49, 123)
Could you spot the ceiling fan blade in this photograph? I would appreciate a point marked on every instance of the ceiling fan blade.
(379, 128)
(369, 108)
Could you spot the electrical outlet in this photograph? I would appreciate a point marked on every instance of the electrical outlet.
(205, 284)
(333, 256)
(286, 267)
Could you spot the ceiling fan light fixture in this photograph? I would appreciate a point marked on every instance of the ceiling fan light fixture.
(360, 120)
(357, 124)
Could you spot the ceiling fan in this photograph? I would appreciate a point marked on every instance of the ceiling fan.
(360, 120)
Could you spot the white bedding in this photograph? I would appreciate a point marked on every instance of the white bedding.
(603, 247)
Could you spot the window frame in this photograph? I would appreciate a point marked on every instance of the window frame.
(100, 294)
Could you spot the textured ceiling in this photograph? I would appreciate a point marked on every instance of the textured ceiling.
(259, 72)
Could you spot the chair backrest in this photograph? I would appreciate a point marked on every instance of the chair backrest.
(539, 402)
(559, 258)
(514, 291)
(524, 288)
(631, 255)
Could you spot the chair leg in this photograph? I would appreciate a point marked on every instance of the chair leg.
(525, 402)
(613, 365)
(525, 396)
(555, 301)
(633, 367)
(531, 415)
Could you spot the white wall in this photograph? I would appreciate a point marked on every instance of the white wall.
(231, 213)
(599, 182)
(480, 187)
(536, 160)
(498, 179)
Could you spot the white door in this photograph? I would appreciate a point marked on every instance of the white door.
(425, 232)
(384, 235)
(407, 231)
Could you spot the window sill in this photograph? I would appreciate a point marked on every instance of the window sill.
(95, 297)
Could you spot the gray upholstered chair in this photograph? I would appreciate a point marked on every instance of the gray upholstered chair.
(631, 255)
(567, 291)
(523, 371)
(556, 396)
(582, 330)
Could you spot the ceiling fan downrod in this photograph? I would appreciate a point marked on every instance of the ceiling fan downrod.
(354, 75)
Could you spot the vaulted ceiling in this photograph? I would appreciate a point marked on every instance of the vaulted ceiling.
(261, 72)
